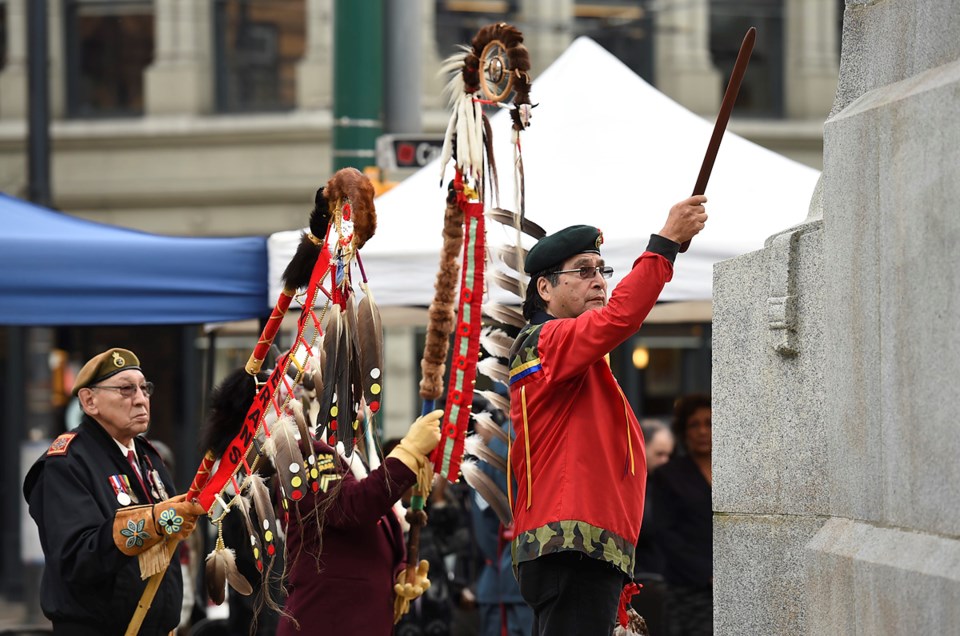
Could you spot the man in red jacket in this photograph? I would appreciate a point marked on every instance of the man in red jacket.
(578, 455)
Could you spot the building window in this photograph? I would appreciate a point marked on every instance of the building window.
(258, 45)
(109, 46)
(457, 21)
(761, 94)
(622, 27)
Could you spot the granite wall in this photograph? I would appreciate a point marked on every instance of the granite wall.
(836, 352)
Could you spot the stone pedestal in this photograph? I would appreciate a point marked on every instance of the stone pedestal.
(835, 445)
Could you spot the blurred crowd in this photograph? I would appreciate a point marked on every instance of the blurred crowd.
(474, 590)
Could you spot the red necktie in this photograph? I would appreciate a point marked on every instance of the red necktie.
(132, 458)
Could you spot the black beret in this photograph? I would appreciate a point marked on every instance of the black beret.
(552, 250)
(102, 366)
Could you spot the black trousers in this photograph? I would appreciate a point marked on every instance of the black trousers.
(571, 594)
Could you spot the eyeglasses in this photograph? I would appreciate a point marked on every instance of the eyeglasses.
(128, 390)
(586, 273)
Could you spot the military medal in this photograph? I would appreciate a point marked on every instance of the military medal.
(156, 485)
(157, 489)
(121, 488)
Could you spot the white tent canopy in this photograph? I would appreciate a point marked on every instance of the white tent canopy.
(604, 148)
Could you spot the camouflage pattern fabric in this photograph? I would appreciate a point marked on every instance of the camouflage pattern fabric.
(578, 536)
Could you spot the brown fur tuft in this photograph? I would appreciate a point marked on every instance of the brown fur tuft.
(351, 184)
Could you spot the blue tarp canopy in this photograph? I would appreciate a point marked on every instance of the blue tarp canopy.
(56, 269)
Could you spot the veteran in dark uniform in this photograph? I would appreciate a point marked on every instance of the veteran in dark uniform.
(101, 499)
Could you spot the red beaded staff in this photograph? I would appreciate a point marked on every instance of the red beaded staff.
(350, 192)
(496, 66)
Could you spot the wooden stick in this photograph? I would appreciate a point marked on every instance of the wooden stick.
(726, 107)
(146, 599)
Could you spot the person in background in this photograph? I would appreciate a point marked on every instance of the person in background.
(681, 495)
(650, 602)
(100, 496)
(345, 547)
(503, 611)
(659, 442)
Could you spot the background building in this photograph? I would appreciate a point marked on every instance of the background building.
(222, 117)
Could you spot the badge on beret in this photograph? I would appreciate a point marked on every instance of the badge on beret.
(118, 360)
(599, 238)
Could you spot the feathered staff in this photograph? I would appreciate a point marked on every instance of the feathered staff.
(496, 66)
(238, 392)
(349, 220)
(342, 221)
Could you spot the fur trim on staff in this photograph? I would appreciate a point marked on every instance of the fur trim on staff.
(441, 314)
(487, 489)
(349, 184)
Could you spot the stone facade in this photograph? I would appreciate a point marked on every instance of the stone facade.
(183, 168)
(835, 438)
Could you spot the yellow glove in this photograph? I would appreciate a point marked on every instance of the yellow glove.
(420, 440)
(407, 592)
(138, 528)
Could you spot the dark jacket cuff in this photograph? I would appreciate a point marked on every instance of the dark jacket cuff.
(664, 247)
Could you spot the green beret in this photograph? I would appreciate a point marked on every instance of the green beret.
(102, 366)
(551, 251)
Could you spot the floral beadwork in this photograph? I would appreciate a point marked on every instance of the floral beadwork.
(170, 521)
(135, 534)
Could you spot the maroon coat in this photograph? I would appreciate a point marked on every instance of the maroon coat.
(351, 592)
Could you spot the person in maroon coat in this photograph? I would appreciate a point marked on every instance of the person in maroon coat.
(345, 543)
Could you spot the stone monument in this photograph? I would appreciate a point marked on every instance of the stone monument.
(836, 353)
